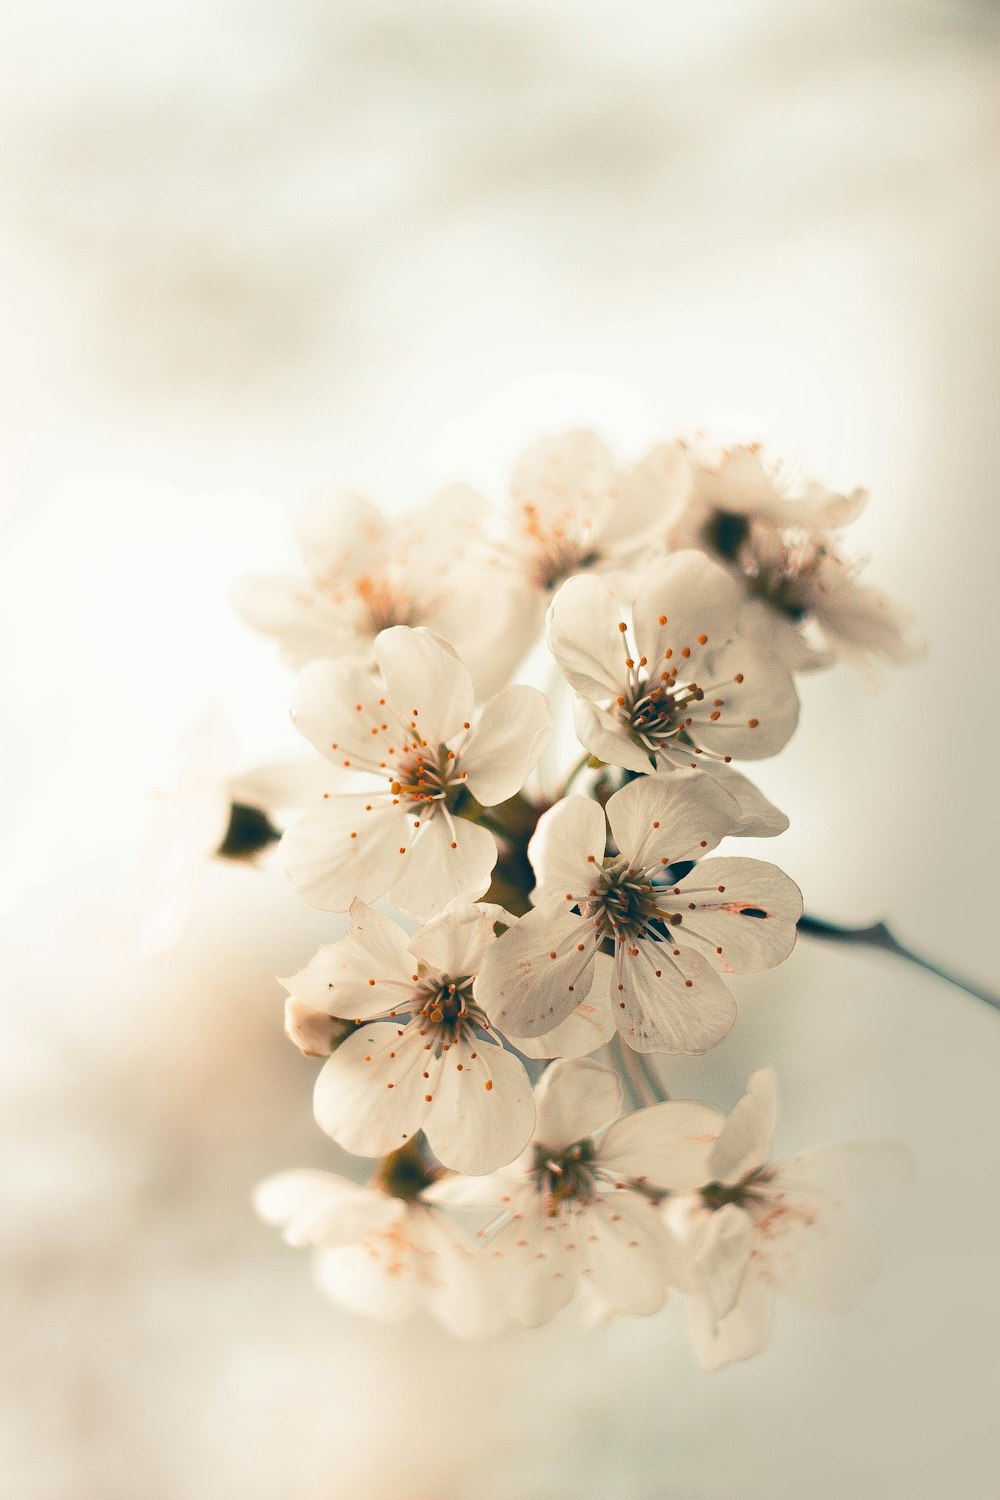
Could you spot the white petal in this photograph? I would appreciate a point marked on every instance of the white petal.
(750, 708)
(537, 972)
(483, 1110)
(627, 1251)
(336, 705)
(753, 815)
(745, 1140)
(337, 979)
(564, 475)
(743, 1333)
(658, 820)
(506, 744)
(667, 1145)
(721, 1258)
(743, 911)
(607, 737)
(464, 1293)
(307, 625)
(314, 1032)
(371, 1094)
(566, 846)
(694, 598)
(537, 1275)
(425, 681)
(438, 868)
(319, 1208)
(338, 534)
(670, 1000)
(389, 1275)
(454, 942)
(574, 1099)
(583, 636)
(344, 849)
(280, 784)
(650, 493)
(584, 1029)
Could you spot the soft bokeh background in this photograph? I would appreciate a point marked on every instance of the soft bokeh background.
(251, 251)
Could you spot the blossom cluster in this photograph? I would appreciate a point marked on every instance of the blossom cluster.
(487, 1041)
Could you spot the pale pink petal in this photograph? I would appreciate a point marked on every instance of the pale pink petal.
(742, 912)
(464, 1294)
(537, 973)
(750, 708)
(669, 999)
(574, 1099)
(425, 681)
(658, 820)
(371, 1094)
(566, 847)
(443, 863)
(506, 744)
(389, 1275)
(338, 978)
(319, 1208)
(699, 605)
(454, 942)
(583, 636)
(483, 1110)
(667, 1145)
(307, 626)
(744, 1143)
(343, 849)
(340, 533)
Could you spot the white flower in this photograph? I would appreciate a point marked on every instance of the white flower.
(210, 811)
(758, 1227)
(412, 756)
(804, 599)
(583, 1207)
(424, 1055)
(690, 691)
(576, 510)
(365, 572)
(670, 939)
(384, 1250)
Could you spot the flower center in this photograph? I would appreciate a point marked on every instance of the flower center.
(426, 775)
(655, 712)
(626, 905)
(725, 532)
(558, 555)
(564, 1176)
(384, 604)
(447, 1004)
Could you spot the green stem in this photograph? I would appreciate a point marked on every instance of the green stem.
(638, 1075)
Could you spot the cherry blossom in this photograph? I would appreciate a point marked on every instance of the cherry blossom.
(690, 691)
(385, 1250)
(576, 510)
(777, 537)
(365, 572)
(757, 1227)
(424, 1055)
(670, 940)
(582, 1206)
(410, 758)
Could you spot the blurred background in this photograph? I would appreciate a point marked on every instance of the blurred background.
(251, 252)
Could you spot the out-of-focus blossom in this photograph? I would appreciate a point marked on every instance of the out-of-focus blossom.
(758, 1227)
(582, 1205)
(210, 810)
(424, 1055)
(776, 535)
(690, 691)
(365, 572)
(385, 1250)
(670, 941)
(412, 745)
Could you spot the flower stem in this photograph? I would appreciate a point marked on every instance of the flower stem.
(638, 1075)
(879, 936)
(581, 765)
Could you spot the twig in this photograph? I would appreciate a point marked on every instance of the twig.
(879, 936)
